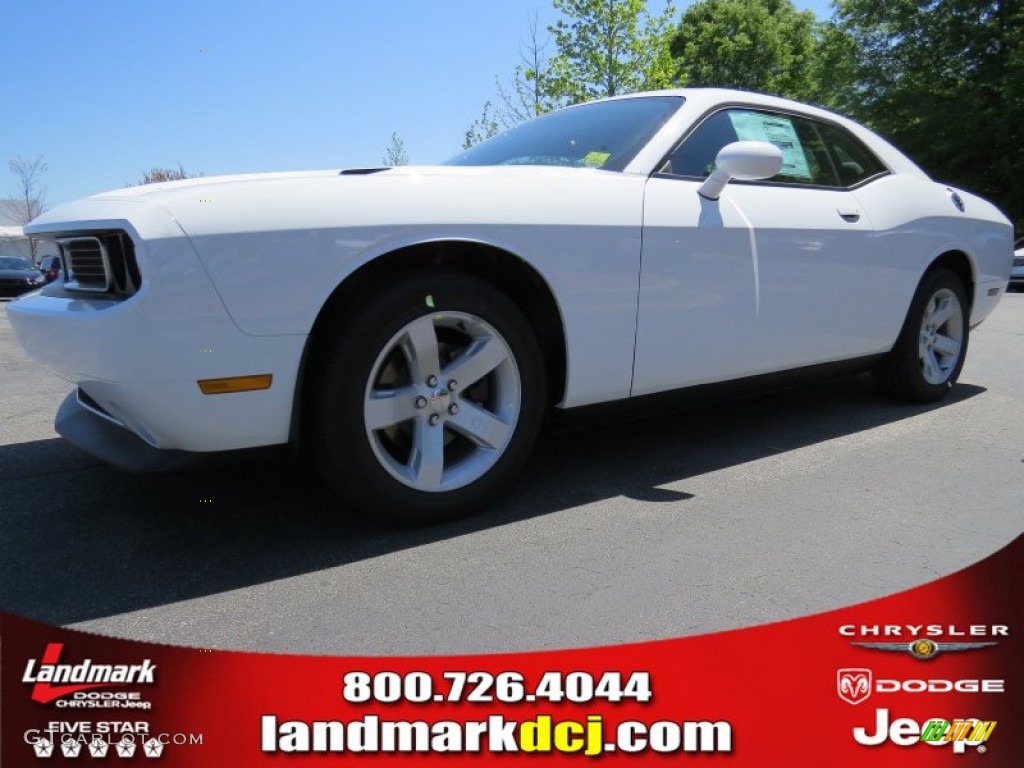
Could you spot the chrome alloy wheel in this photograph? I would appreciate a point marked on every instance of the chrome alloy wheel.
(442, 401)
(941, 336)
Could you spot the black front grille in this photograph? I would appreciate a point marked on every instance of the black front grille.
(86, 264)
(103, 263)
(124, 271)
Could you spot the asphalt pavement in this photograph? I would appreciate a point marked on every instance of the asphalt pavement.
(726, 516)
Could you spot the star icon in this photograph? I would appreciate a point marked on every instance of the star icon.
(43, 748)
(125, 748)
(153, 748)
(71, 748)
(98, 747)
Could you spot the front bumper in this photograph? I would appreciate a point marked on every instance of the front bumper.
(141, 365)
(139, 358)
(114, 444)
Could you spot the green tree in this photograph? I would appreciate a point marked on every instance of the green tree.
(944, 79)
(395, 154)
(482, 128)
(606, 48)
(525, 98)
(603, 48)
(520, 101)
(756, 45)
(833, 67)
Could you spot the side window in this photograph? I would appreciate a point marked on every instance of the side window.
(813, 153)
(854, 162)
(696, 156)
(804, 157)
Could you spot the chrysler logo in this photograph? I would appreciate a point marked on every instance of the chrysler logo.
(923, 648)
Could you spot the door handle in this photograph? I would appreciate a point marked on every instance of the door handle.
(851, 215)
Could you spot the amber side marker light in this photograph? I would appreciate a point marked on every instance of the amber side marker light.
(235, 384)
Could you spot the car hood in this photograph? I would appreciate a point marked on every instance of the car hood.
(406, 195)
(166, 189)
(170, 190)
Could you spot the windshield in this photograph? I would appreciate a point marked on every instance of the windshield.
(605, 134)
(11, 262)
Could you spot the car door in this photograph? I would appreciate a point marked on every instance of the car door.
(766, 278)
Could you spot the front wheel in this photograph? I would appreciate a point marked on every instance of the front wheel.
(929, 354)
(428, 398)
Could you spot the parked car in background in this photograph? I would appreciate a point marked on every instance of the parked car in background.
(409, 327)
(50, 267)
(18, 276)
(1017, 271)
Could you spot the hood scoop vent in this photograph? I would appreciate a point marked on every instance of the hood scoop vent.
(363, 171)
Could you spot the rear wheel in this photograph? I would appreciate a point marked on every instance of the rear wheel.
(428, 399)
(929, 354)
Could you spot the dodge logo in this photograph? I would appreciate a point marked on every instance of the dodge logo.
(853, 685)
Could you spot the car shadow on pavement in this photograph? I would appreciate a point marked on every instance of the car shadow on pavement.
(80, 540)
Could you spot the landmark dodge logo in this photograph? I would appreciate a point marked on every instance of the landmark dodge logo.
(79, 677)
(853, 685)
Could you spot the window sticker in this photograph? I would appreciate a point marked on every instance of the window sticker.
(778, 130)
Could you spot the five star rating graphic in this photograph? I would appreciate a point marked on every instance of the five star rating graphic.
(98, 747)
(45, 748)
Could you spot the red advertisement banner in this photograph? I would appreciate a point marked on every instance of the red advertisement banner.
(927, 677)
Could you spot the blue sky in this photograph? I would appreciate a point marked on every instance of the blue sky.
(106, 89)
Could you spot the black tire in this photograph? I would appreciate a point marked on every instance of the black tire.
(906, 372)
(378, 338)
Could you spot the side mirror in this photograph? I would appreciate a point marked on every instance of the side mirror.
(743, 160)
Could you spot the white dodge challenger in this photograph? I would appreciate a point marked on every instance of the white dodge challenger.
(409, 327)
